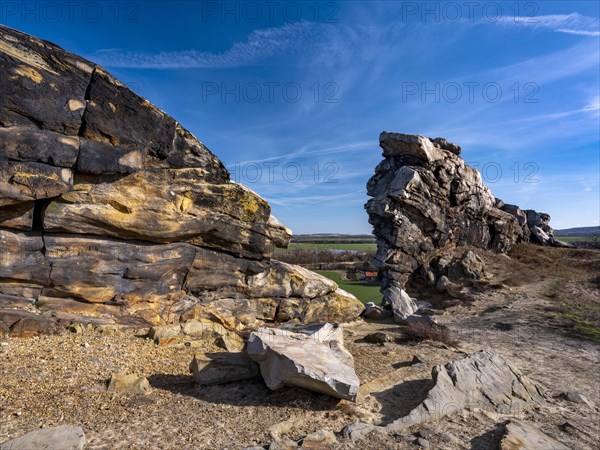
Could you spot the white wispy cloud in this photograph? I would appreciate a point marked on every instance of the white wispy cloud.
(574, 23)
(579, 32)
(259, 46)
(306, 151)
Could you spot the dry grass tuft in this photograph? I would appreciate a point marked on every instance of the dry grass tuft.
(418, 332)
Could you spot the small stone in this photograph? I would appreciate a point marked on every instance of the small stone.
(355, 431)
(75, 328)
(108, 330)
(415, 318)
(423, 304)
(576, 397)
(377, 338)
(443, 283)
(426, 433)
(423, 443)
(85, 344)
(129, 384)
(376, 313)
(448, 437)
(318, 440)
(567, 428)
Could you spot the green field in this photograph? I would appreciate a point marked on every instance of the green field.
(361, 290)
(576, 238)
(359, 247)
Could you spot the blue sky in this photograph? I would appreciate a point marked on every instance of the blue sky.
(292, 96)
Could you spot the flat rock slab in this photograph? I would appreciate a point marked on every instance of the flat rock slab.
(218, 368)
(55, 438)
(524, 436)
(312, 357)
(481, 380)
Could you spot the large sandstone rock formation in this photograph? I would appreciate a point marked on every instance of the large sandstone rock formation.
(109, 208)
(427, 200)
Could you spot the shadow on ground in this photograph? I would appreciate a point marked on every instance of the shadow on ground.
(401, 399)
(490, 439)
(244, 393)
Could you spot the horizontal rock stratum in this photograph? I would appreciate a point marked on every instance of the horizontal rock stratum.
(111, 211)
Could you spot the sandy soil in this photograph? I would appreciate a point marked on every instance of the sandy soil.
(55, 380)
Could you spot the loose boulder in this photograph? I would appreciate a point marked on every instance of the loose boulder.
(312, 357)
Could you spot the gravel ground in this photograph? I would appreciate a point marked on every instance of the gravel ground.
(62, 380)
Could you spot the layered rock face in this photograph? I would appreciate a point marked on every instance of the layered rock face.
(426, 199)
(110, 208)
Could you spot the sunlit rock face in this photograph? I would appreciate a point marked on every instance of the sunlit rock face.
(111, 211)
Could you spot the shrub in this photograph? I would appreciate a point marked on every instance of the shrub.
(419, 331)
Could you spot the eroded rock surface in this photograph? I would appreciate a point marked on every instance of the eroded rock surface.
(110, 209)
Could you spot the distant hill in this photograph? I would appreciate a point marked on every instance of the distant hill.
(579, 231)
(333, 238)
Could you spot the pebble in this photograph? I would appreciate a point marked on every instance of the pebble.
(377, 338)
(426, 433)
(424, 443)
(448, 437)
(576, 397)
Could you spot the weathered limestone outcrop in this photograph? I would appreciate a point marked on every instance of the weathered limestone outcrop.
(110, 209)
(427, 200)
